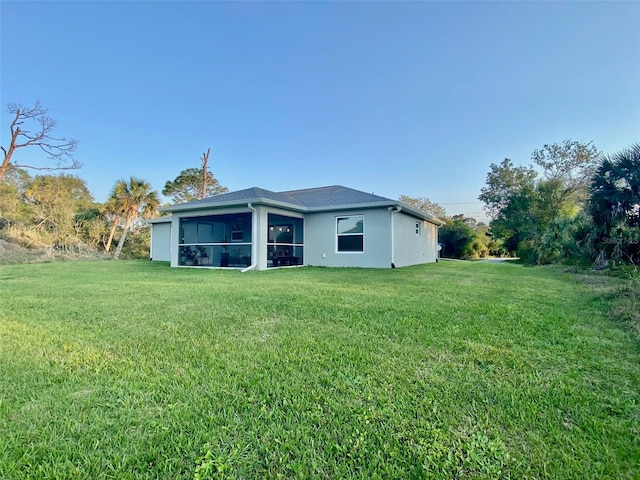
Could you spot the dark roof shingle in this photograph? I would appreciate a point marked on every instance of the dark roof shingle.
(332, 196)
(318, 199)
(240, 196)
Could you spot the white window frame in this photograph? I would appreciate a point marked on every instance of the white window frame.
(418, 229)
(338, 235)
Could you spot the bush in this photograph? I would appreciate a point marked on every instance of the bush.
(564, 241)
(527, 253)
(457, 239)
(137, 244)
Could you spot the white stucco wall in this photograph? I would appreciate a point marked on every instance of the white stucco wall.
(321, 244)
(410, 248)
(161, 241)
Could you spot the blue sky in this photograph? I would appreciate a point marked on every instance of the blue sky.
(414, 98)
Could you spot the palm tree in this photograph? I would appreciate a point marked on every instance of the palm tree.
(615, 190)
(615, 205)
(134, 198)
(112, 209)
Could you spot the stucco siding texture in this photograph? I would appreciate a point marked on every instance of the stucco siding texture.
(321, 243)
(161, 242)
(412, 248)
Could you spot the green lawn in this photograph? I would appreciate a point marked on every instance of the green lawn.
(451, 370)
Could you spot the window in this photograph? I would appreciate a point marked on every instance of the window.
(418, 228)
(350, 234)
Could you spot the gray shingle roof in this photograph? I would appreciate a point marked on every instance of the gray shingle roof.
(308, 199)
(243, 196)
(333, 196)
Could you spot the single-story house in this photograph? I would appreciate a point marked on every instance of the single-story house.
(331, 226)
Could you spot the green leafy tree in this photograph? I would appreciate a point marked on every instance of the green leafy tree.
(12, 191)
(133, 198)
(91, 226)
(509, 198)
(530, 212)
(570, 163)
(504, 182)
(523, 205)
(457, 237)
(425, 205)
(188, 186)
(55, 200)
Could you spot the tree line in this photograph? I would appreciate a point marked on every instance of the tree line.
(56, 211)
(571, 204)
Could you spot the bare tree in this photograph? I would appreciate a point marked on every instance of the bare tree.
(205, 160)
(58, 149)
(571, 162)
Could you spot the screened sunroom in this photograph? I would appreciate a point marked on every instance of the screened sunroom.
(226, 240)
(216, 241)
(285, 244)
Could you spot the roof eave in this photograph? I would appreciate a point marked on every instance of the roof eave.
(233, 203)
(165, 219)
(351, 206)
(300, 208)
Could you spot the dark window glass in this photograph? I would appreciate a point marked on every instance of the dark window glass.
(350, 243)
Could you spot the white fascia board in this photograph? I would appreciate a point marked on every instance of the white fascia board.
(208, 206)
(166, 219)
(234, 203)
(351, 206)
(414, 212)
